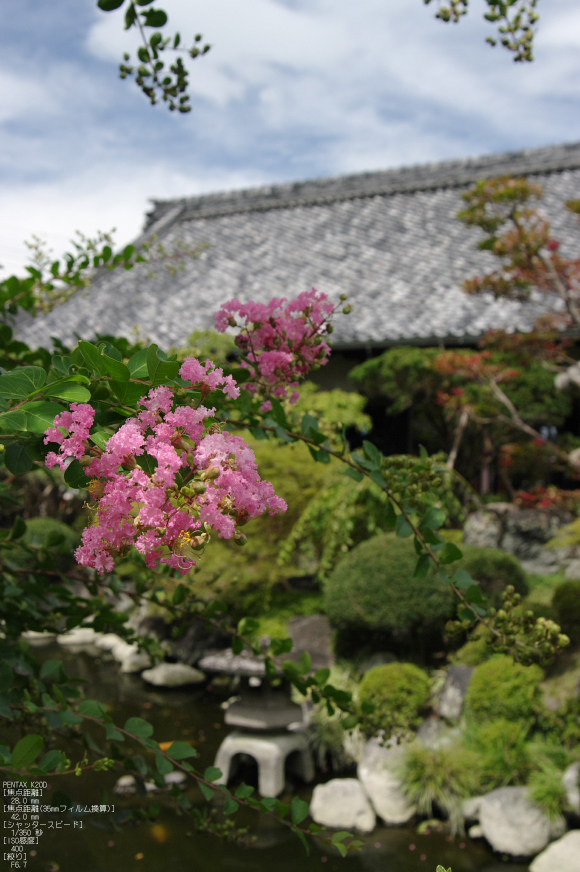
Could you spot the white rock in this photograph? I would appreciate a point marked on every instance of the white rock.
(342, 804)
(122, 650)
(570, 780)
(135, 662)
(560, 856)
(78, 636)
(378, 773)
(34, 638)
(471, 807)
(512, 824)
(107, 641)
(173, 675)
(475, 832)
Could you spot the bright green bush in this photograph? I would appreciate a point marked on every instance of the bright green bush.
(501, 688)
(566, 608)
(443, 777)
(503, 752)
(494, 570)
(548, 791)
(373, 588)
(398, 692)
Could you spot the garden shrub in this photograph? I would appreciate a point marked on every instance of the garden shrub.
(566, 608)
(443, 777)
(501, 688)
(504, 754)
(494, 570)
(398, 692)
(547, 790)
(373, 588)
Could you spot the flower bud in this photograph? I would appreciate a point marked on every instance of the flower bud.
(211, 473)
(347, 310)
(199, 487)
(86, 460)
(240, 538)
(343, 297)
(329, 328)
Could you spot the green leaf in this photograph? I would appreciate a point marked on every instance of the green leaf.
(474, 594)
(70, 718)
(113, 733)
(17, 459)
(462, 579)
(207, 791)
(449, 553)
(321, 676)
(342, 849)
(355, 474)
(434, 518)
(378, 479)
(69, 391)
(281, 646)
(75, 475)
(116, 369)
(109, 5)
(422, 567)
(20, 382)
(52, 760)
(164, 766)
(138, 364)
(403, 528)
(52, 670)
(181, 751)
(322, 456)
(179, 594)
(160, 370)
(279, 413)
(92, 708)
(139, 727)
(212, 773)
(26, 751)
(340, 837)
(100, 438)
(269, 803)
(237, 645)
(13, 421)
(303, 839)
(309, 425)
(305, 662)
(40, 415)
(300, 810)
(147, 463)
(93, 357)
(128, 392)
(155, 18)
(244, 791)
(231, 805)
(349, 722)
(372, 453)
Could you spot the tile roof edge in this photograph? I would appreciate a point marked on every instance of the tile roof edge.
(410, 179)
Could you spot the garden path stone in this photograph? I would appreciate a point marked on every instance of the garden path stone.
(560, 856)
(173, 675)
(343, 804)
(514, 825)
(378, 774)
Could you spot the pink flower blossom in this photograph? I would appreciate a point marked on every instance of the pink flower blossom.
(77, 423)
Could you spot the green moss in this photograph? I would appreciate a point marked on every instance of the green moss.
(504, 754)
(494, 570)
(373, 587)
(501, 688)
(566, 608)
(398, 692)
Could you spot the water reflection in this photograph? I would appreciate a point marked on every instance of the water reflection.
(171, 843)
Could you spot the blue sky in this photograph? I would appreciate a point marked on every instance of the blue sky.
(291, 89)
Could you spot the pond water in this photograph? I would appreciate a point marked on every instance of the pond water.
(172, 843)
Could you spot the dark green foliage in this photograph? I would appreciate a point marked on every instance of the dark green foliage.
(373, 588)
(501, 688)
(566, 608)
(504, 754)
(494, 570)
(398, 692)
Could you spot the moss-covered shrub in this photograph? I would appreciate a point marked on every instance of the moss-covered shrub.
(373, 588)
(501, 688)
(566, 609)
(494, 570)
(503, 752)
(398, 692)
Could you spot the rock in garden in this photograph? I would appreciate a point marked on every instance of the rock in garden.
(450, 701)
(136, 661)
(342, 804)
(435, 734)
(573, 570)
(475, 832)
(378, 774)
(560, 856)
(471, 808)
(512, 824)
(483, 529)
(312, 633)
(78, 636)
(571, 781)
(173, 675)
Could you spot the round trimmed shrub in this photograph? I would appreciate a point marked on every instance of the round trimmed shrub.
(494, 570)
(398, 692)
(501, 688)
(373, 588)
(566, 608)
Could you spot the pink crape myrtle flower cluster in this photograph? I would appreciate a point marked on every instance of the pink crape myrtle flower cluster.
(165, 520)
(280, 341)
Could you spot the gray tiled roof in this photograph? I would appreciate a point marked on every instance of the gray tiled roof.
(388, 239)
